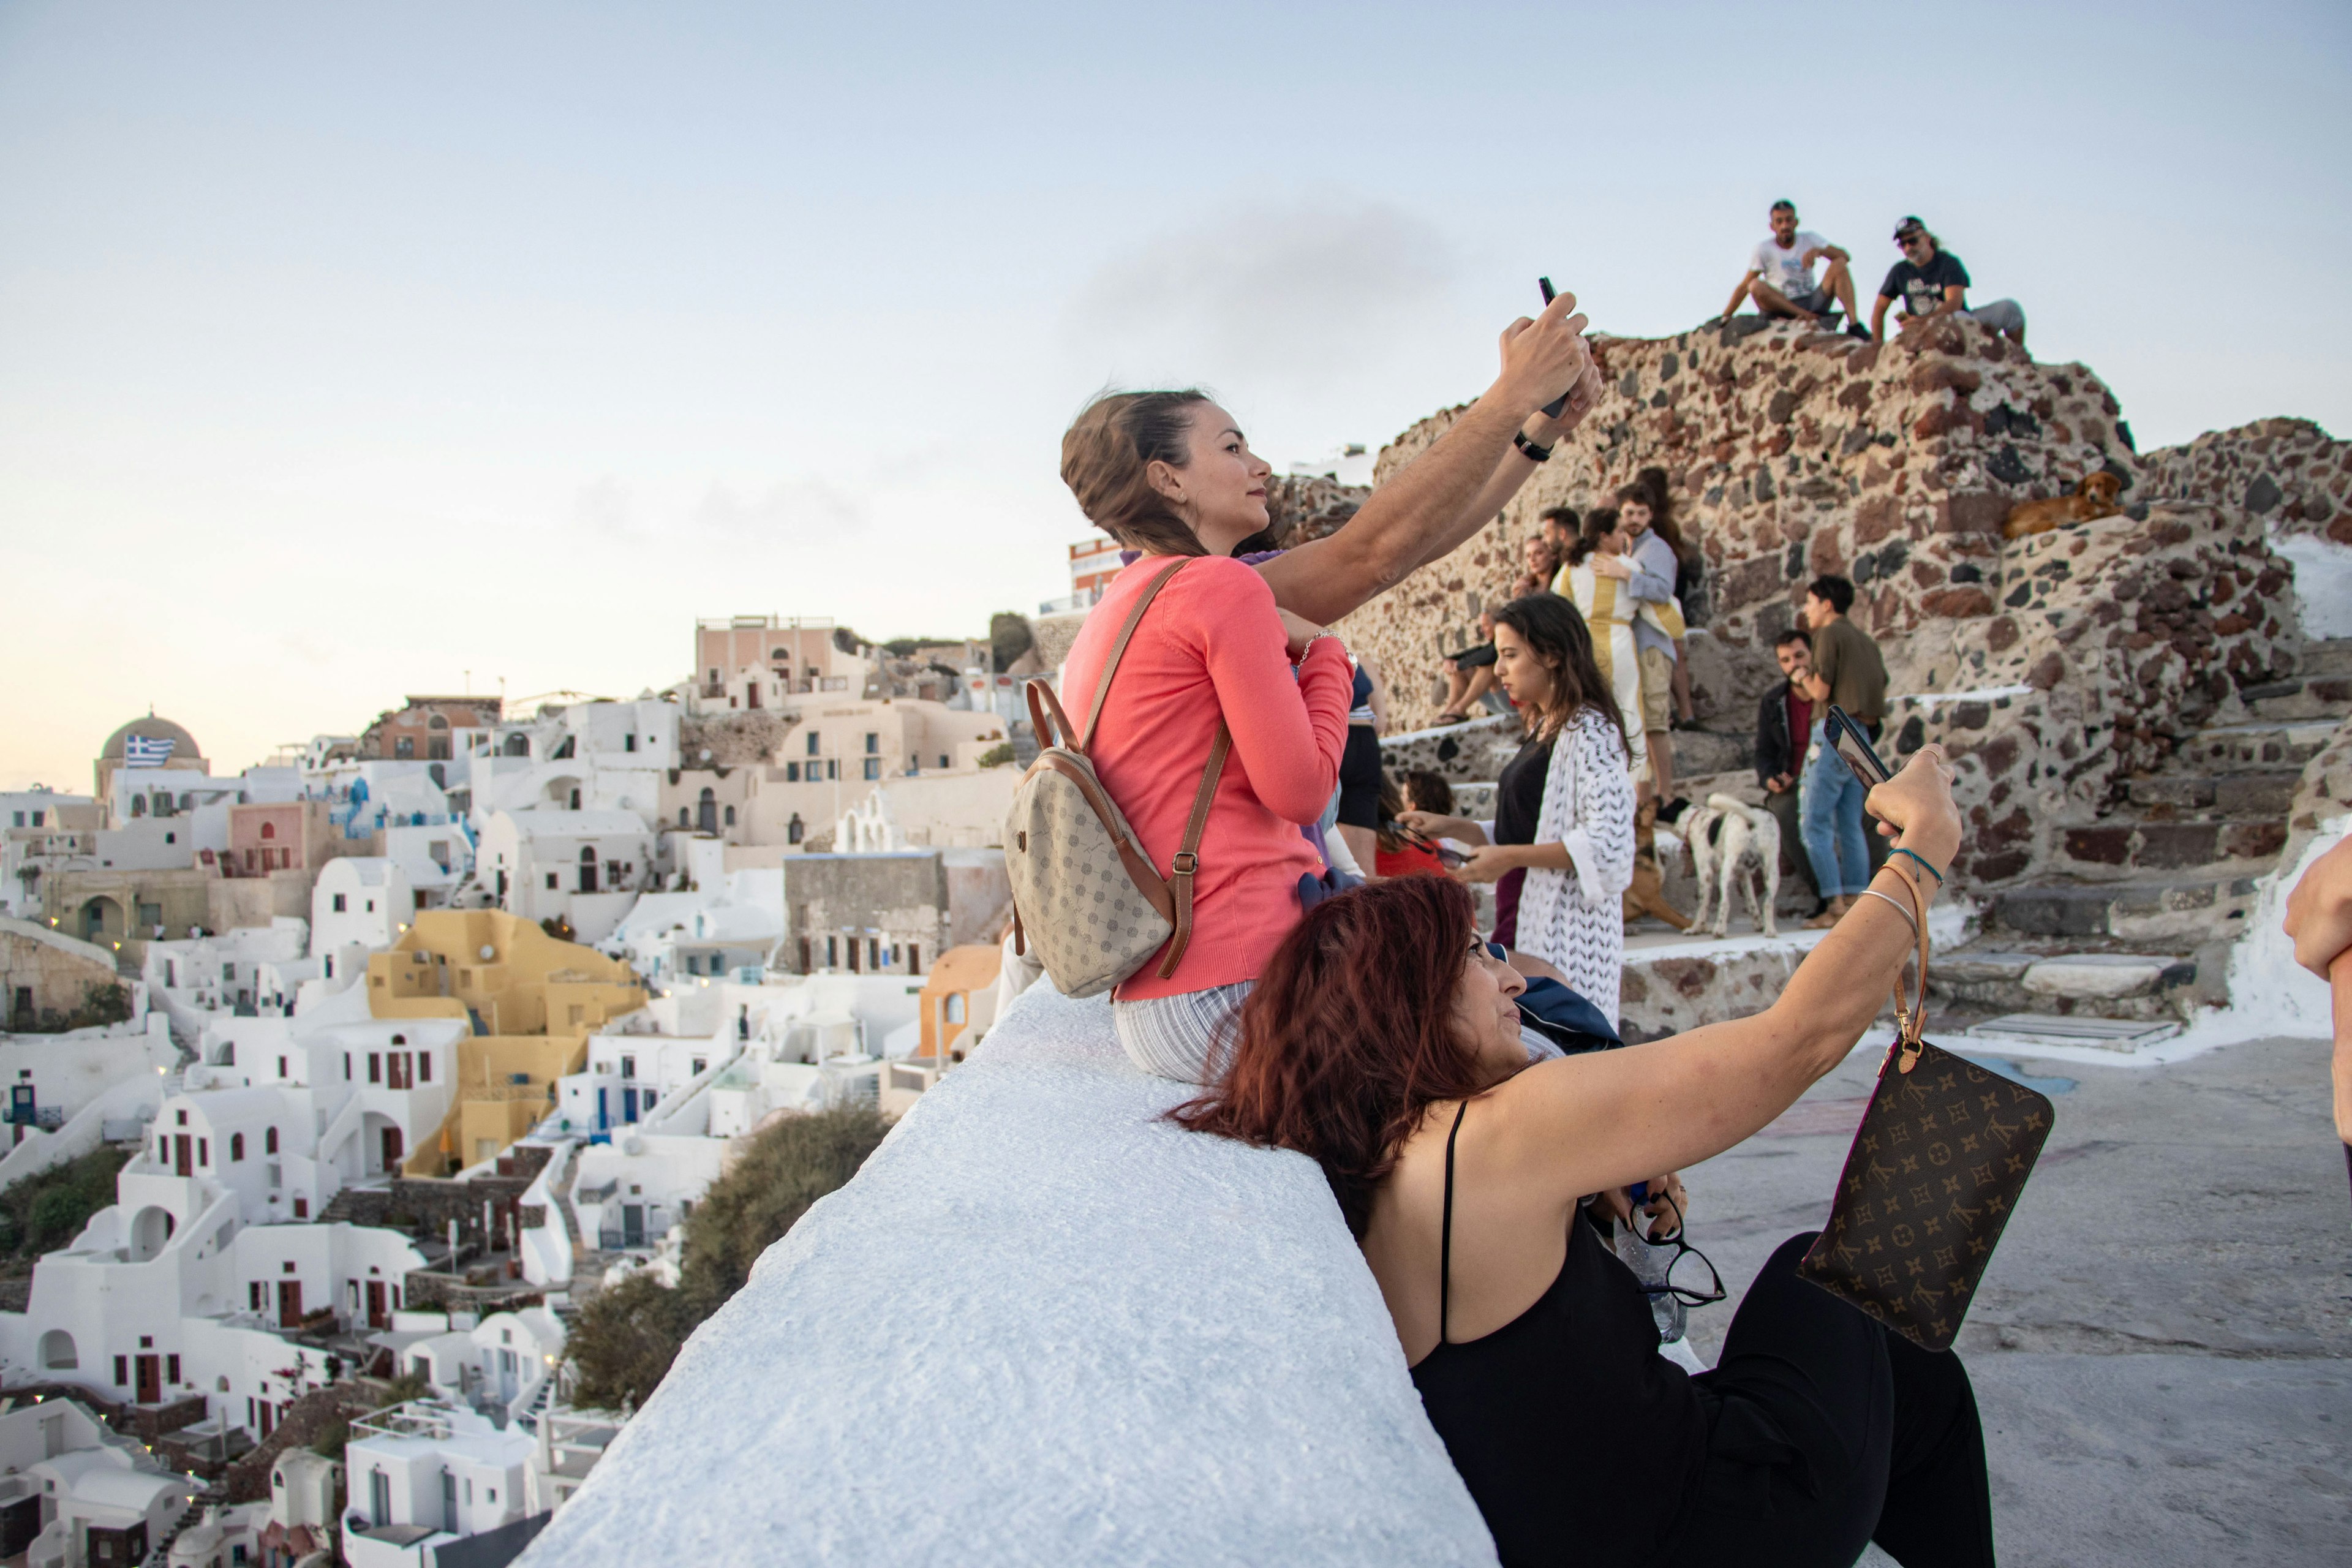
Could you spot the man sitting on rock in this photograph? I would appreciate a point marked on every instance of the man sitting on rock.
(1931, 282)
(1784, 727)
(1780, 275)
(1847, 671)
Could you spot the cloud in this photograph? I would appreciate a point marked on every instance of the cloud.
(795, 505)
(1288, 293)
(811, 509)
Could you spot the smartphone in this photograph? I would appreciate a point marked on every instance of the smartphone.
(1551, 410)
(1853, 743)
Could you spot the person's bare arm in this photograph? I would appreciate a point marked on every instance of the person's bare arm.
(2319, 921)
(1589, 1124)
(1420, 514)
(1834, 252)
(1878, 317)
(1739, 294)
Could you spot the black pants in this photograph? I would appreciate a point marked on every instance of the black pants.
(1793, 863)
(1360, 779)
(1829, 1431)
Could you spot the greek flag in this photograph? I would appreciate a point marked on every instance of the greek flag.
(140, 752)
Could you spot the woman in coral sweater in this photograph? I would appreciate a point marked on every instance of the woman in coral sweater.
(1168, 473)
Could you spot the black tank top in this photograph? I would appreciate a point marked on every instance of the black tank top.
(1579, 1443)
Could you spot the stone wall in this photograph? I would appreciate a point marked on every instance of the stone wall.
(2289, 472)
(2056, 665)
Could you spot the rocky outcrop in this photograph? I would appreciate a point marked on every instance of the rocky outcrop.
(2057, 667)
(2288, 472)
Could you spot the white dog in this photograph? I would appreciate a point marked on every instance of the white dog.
(1723, 834)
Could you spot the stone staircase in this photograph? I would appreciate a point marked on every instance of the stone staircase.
(2136, 920)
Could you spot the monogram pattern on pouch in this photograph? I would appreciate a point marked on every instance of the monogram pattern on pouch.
(1935, 1172)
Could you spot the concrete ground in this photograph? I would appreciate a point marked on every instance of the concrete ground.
(2162, 1348)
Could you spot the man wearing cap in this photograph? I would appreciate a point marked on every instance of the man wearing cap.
(1780, 275)
(1931, 282)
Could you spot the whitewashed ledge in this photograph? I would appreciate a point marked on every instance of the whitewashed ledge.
(1041, 1326)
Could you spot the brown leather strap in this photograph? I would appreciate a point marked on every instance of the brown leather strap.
(1119, 649)
(1911, 1019)
(1041, 700)
(1188, 857)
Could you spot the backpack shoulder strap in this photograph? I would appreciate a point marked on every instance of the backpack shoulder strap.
(1188, 857)
(1119, 650)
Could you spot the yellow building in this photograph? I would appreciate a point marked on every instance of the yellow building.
(532, 1000)
(959, 995)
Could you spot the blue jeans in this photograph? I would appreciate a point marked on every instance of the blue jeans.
(1832, 816)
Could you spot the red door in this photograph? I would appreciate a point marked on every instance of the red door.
(375, 1313)
(151, 1380)
(289, 1304)
(182, 1155)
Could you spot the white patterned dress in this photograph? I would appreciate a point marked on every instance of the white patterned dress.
(1574, 920)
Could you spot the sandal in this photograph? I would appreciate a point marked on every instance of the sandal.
(1445, 718)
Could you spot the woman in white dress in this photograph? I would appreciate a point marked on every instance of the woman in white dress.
(1560, 848)
(1593, 580)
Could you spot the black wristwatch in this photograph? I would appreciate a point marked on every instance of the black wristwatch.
(1534, 453)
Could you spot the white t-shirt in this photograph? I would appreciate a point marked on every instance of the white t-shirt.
(1787, 270)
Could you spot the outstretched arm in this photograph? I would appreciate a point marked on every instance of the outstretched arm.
(1589, 1124)
(1448, 492)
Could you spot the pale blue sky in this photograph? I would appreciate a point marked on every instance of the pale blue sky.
(345, 349)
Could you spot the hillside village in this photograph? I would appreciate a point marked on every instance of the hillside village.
(383, 1056)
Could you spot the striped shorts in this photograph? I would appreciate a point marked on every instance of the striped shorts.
(1188, 1036)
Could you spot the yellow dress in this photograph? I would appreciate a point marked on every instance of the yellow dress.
(1609, 613)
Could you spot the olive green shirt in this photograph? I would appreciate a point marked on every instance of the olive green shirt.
(1845, 656)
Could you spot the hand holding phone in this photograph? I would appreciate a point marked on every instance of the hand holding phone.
(1551, 410)
(1852, 743)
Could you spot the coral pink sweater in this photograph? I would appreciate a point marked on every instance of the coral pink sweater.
(1212, 644)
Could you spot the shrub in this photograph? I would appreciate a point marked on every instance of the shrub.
(1008, 639)
(48, 1209)
(627, 1337)
(997, 756)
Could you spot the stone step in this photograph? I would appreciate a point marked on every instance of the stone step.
(2170, 797)
(2325, 656)
(2114, 850)
(2091, 984)
(2301, 699)
(2249, 748)
(2190, 909)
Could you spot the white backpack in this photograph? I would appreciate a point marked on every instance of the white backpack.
(1084, 890)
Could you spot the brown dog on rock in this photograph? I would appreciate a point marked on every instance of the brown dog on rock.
(2094, 497)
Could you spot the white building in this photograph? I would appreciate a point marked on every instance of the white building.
(501, 1366)
(42, 831)
(245, 972)
(302, 1487)
(590, 756)
(569, 1443)
(360, 901)
(427, 1473)
(96, 1496)
(585, 867)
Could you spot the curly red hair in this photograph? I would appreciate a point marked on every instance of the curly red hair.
(1348, 1037)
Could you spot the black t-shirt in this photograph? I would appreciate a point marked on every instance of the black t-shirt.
(1921, 289)
(1519, 794)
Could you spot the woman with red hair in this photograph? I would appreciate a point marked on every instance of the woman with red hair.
(1383, 1042)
